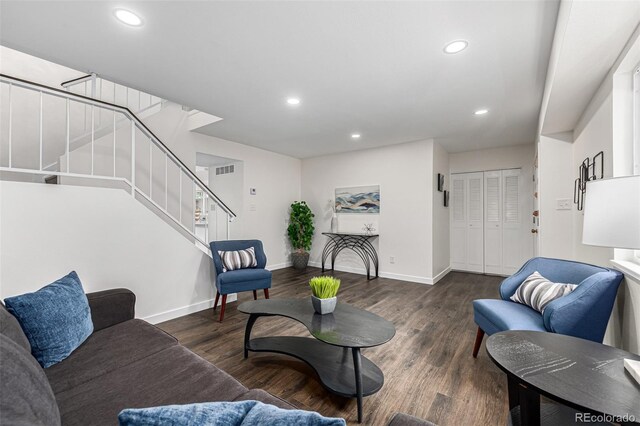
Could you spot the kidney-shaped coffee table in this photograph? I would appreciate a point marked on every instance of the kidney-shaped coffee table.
(347, 327)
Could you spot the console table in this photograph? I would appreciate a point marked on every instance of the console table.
(356, 242)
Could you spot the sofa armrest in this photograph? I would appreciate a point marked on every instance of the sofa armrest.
(511, 284)
(111, 307)
(585, 311)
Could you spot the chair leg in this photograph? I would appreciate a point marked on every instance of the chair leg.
(266, 293)
(476, 346)
(224, 303)
(255, 295)
(215, 304)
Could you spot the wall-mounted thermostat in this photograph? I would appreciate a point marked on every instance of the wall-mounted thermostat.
(252, 191)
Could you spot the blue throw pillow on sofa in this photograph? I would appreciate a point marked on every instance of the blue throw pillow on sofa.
(245, 413)
(56, 319)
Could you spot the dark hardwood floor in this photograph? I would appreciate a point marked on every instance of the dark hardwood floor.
(428, 367)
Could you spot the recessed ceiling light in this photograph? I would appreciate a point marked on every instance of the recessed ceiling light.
(456, 46)
(128, 17)
(355, 135)
(481, 112)
(293, 101)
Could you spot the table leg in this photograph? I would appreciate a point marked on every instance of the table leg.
(247, 333)
(357, 369)
(529, 406)
(514, 392)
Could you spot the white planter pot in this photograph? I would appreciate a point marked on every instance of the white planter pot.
(324, 306)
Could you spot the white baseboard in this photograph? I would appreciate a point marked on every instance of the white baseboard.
(441, 275)
(185, 310)
(400, 277)
(278, 266)
(200, 306)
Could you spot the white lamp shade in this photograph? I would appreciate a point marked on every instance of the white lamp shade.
(612, 213)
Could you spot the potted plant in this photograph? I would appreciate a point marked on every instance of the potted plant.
(300, 232)
(323, 297)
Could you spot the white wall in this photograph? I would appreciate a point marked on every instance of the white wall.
(27, 67)
(110, 239)
(440, 234)
(604, 125)
(595, 136)
(521, 156)
(405, 223)
(556, 175)
(276, 178)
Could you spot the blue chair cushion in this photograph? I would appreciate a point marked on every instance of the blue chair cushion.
(494, 315)
(56, 319)
(243, 280)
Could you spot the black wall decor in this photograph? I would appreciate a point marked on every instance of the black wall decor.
(440, 182)
(590, 169)
(446, 198)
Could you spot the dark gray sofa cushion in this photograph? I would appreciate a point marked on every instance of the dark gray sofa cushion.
(26, 398)
(10, 327)
(172, 376)
(263, 396)
(108, 350)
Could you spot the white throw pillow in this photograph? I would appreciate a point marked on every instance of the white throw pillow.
(537, 292)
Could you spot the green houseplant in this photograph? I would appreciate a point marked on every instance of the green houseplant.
(300, 233)
(324, 291)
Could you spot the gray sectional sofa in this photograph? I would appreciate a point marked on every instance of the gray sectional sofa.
(125, 363)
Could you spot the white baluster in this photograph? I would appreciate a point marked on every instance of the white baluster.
(40, 124)
(93, 136)
(150, 168)
(84, 106)
(133, 158)
(193, 210)
(10, 124)
(68, 153)
(166, 181)
(114, 143)
(180, 196)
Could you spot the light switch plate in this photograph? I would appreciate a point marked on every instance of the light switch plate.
(563, 204)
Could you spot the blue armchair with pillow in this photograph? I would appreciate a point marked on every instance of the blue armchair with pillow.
(583, 313)
(234, 274)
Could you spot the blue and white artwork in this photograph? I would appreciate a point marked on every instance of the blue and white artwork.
(358, 199)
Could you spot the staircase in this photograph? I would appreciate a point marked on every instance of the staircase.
(87, 134)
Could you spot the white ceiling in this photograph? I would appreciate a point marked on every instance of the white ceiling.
(375, 68)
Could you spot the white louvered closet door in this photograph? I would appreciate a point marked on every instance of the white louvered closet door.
(458, 203)
(487, 233)
(514, 205)
(475, 222)
(467, 242)
(493, 219)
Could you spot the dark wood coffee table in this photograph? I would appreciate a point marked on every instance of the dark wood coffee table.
(346, 328)
(586, 376)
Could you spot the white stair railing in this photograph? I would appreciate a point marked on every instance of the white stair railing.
(128, 153)
(96, 87)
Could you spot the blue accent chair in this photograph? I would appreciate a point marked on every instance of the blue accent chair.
(583, 313)
(239, 280)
